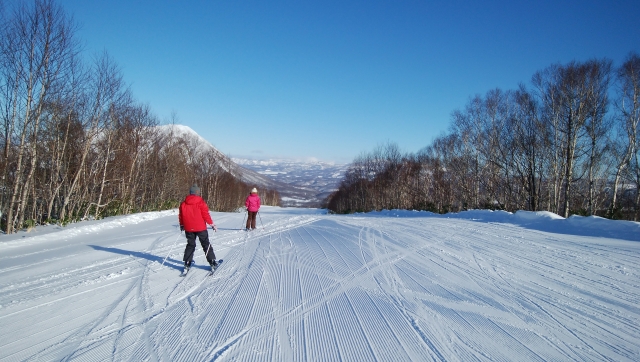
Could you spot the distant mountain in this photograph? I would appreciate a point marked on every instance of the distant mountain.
(300, 184)
(318, 179)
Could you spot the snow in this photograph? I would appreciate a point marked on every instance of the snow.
(201, 145)
(389, 285)
(179, 130)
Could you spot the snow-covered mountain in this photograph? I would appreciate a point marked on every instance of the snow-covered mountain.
(319, 178)
(308, 286)
(301, 192)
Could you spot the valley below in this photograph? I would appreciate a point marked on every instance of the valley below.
(300, 184)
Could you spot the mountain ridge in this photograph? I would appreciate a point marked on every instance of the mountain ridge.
(308, 184)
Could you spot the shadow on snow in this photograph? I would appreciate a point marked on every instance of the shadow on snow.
(172, 263)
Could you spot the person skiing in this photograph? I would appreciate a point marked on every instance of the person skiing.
(252, 204)
(193, 217)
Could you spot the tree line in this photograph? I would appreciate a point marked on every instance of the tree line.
(75, 142)
(567, 143)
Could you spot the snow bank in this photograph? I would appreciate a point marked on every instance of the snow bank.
(45, 233)
(594, 226)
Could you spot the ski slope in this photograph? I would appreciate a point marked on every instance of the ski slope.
(306, 286)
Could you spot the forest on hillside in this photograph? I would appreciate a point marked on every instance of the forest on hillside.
(75, 142)
(566, 143)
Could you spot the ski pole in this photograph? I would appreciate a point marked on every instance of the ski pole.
(260, 219)
(243, 217)
(206, 254)
(170, 250)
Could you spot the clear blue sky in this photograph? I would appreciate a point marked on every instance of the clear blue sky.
(333, 79)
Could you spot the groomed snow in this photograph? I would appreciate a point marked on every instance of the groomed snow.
(388, 286)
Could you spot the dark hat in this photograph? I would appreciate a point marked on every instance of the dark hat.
(194, 190)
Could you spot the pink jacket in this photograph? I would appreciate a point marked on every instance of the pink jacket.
(252, 203)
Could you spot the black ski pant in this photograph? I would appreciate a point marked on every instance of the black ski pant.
(191, 246)
(251, 219)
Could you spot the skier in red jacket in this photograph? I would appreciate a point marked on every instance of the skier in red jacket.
(253, 205)
(193, 218)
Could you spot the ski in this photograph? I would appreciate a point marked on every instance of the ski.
(213, 270)
(186, 269)
(184, 272)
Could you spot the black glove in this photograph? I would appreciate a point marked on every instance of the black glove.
(181, 227)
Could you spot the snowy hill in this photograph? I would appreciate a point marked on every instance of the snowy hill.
(292, 194)
(202, 145)
(319, 178)
(395, 285)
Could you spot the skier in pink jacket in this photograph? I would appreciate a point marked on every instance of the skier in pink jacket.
(253, 205)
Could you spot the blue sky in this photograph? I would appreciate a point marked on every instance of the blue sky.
(332, 79)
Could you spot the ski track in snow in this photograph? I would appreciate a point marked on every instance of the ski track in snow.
(309, 286)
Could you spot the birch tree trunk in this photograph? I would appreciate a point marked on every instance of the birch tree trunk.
(628, 113)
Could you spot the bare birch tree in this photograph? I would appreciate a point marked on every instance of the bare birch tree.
(36, 51)
(597, 127)
(627, 105)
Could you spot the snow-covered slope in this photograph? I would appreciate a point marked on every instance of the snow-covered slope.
(201, 145)
(387, 286)
(292, 194)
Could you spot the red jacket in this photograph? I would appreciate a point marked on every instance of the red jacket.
(252, 203)
(194, 214)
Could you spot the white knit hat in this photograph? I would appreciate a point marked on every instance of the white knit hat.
(254, 190)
